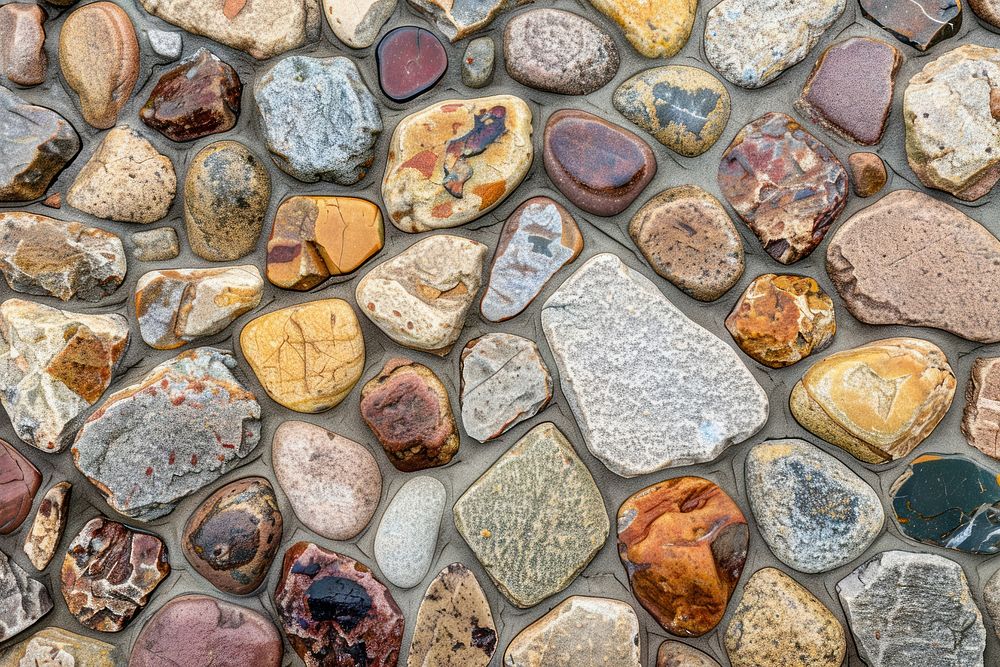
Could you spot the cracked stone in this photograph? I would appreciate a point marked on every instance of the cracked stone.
(407, 533)
(19, 482)
(411, 61)
(63, 647)
(156, 245)
(919, 23)
(357, 23)
(478, 62)
(23, 600)
(46, 530)
(868, 173)
(981, 418)
(676, 654)
(655, 30)
(38, 144)
(458, 19)
(22, 44)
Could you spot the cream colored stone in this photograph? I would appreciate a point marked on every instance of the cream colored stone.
(358, 22)
(47, 528)
(55, 647)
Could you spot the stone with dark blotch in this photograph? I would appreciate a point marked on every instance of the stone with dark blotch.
(233, 535)
(19, 482)
(47, 528)
(22, 43)
(156, 245)
(478, 62)
(677, 654)
(539, 238)
(109, 573)
(38, 143)
(199, 97)
(919, 23)
(23, 600)
(408, 409)
(335, 612)
(52, 643)
(201, 631)
(683, 543)
(981, 418)
(599, 166)
(868, 173)
(457, 19)
(785, 184)
(411, 61)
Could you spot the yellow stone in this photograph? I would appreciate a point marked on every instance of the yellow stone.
(655, 28)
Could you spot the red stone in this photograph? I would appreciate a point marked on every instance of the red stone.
(19, 482)
(411, 61)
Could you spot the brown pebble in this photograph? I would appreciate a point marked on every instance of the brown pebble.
(54, 200)
(981, 418)
(22, 44)
(868, 174)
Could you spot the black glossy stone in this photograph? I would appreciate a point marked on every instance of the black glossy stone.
(338, 599)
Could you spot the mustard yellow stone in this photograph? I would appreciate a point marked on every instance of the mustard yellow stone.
(655, 28)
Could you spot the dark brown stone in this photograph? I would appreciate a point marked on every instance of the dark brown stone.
(411, 61)
(868, 173)
(919, 23)
(22, 43)
(19, 482)
(37, 144)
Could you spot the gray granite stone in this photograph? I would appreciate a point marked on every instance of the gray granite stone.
(991, 600)
(23, 600)
(407, 534)
(478, 62)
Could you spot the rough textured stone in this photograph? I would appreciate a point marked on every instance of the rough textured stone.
(877, 401)
(42, 255)
(455, 161)
(22, 44)
(23, 600)
(601, 167)
(685, 108)
(654, 29)
(178, 306)
(199, 97)
(454, 626)
(201, 631)
(233, 535)
(314, 238)
(19, 482)
(948, 263)
(688, 238)
(478, 62)
(579, 632)
(226, 194)
(504, 382)
(913, 609)
(109, 572)
(868, 173)
(126, 179)
(60, 648)
(156, 245)
(751, 42)
(184, 425)
(620, 344)
(38, 143)
(411, 61)
(335, 612)
(539, 238)
(539, 487)
(559, 52)
(357, 22)
(319, 119)
(850, 89)
(780, 624)
(420, 297)
(981, 418)
(683, 543)
(46, 530)
(919, 23)
(676, 654)
(991, 600)
(781, 320)
(165, 44)
(950, 111)
(785, 184)
(813, 511)
(262, 29)
(458, 19)
(55, 364)
(333, 484)
(408, 531)
(407, 408)
(307, 357)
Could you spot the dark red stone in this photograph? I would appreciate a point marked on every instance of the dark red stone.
(599, 166)
(199, 97)
(410, 61)
(19, 482)
(919, 23)
(334, 611)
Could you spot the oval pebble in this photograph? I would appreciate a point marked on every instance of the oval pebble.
(407, 535)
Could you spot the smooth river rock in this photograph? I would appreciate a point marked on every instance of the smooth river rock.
(23, 600)
(981, 417)
(38, 144)
(22, 43)
(19, 482)
(46, 530)
(411, 60)
(357, 23)
(54, 643)
(479, 62)
(868, 173)
(407, 534)
(654, 29)
(678, 654)
(919, 23)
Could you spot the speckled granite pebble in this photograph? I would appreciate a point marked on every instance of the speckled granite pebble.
(478, 62)
(156, 245)
(408, 531)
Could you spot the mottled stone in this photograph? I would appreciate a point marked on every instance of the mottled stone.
(987, 10)
(688, 238)
(307, 357)
(849, 91)
(539, 238)
(676, 654)
(779, 623)
(19, 482)
(318, 119)
(156, 245)
(601, 167)
(55, 364)
(654, 29)
(539, 487)
(22, 44)
(99, 59)
(813, 511)
(685, 108)
(649, 388)
(478, 62)
(407, 408)
(226, 194)
(165, 44)
(868, 173)
(335, 612)
(411, 61)
(55, 647)
(202, 631)
(981, 417)
(683, 543)
(126, 179)
(357, 22)
(948, 263)
(785, 184)
(199, 97)
(950, 111)
(333, 484)
(751, 42)
(579, 632)
(877, 401)
(178, 306)
(408, 531)
(458, 19)
(455, 161)
(454, 626)
(913, 609)
(420, 297)
(315, 237)
(184, 425)
(46, 530)
(23, 600)
(559, 52)
(42, 255)
(262, 29)
(233, 535)
(38, 143)
(504, 382)
(919, 23)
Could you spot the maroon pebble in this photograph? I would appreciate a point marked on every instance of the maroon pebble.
(19, 482)
(410, 61)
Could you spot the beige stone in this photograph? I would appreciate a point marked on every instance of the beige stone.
(981, 418)
(47, 529)
(358, 22)
(655, 28)
(55, 647)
